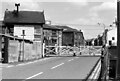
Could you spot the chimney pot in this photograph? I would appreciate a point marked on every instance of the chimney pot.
(17, 5)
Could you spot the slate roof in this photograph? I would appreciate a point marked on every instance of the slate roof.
(51, 27)
(1, 23)
(67, 29)
(24, 17)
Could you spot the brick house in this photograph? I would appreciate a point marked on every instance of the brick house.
(71, 37)
(52, 35)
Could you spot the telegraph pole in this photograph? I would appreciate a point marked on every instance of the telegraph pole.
(118, 41)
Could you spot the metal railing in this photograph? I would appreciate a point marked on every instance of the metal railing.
(100, 72)
(95, 72)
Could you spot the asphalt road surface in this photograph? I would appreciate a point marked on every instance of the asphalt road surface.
(52, 68)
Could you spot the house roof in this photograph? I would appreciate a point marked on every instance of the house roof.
(51, 27)
(1, 23)
(24, 17)
(67, 29)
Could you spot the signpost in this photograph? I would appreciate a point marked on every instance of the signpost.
(23, 34)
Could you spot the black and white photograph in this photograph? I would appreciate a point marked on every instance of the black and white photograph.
(54, 40)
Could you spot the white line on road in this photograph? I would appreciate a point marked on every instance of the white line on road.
(28, 63)
(70, 60)
(33, 62)
(34, 75)
(21, 64)
(57, 66)
(76, 57)
(10, 66)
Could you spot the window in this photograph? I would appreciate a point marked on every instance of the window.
(113, 38)
(110, 43)
(37, 31)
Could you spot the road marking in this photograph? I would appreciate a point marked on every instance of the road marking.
(28, 63)
(33, 62)
(34, 75)
(21, 64)
(76, 57)
(70, 60)
(57, 66)
(10, 66)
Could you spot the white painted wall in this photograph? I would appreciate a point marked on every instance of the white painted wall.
(110, 34)
(29, 31)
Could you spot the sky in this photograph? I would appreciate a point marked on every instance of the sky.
(79, 14)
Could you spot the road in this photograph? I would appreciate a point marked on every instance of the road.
(52, 68)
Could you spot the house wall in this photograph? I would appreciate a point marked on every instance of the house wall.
(47, 36)
(82, 40)
(54, 37)
(32, 32)
(31, 51)
(110, 35)
(50, 36)
(68, 39)
(71, 38)
(79, 39)
(29, 31)
(13, 49)
(38, 33)
(59, 38)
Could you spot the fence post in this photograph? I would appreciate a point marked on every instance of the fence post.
(56, 48)
(74, 51)
(43, 50)
(80, 50)
(19, 57)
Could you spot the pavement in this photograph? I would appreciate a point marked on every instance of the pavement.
(7, 65)
(51, 68)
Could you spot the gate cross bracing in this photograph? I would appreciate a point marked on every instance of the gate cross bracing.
(68, 50)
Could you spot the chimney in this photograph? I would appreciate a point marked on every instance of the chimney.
(48, 22)
(17, 5)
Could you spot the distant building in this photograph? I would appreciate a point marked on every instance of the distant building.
(98, 41)
(89, 42)
(104, 36)
(112, 37)
(52, 35)
(71, 37)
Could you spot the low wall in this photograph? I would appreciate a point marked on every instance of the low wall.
(16, 53)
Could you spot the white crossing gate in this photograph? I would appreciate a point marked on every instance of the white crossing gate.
(69, 51)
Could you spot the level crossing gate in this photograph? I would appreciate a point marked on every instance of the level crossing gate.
(62, 50)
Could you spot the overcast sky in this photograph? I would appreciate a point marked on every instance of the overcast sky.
(78, 14)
